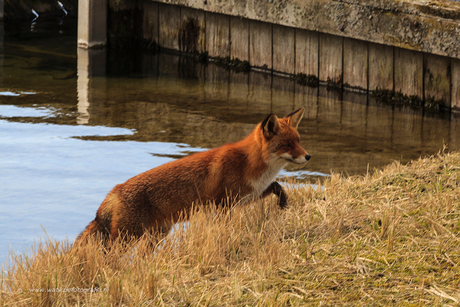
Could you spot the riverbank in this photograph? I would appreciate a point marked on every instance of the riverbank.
(390, 237)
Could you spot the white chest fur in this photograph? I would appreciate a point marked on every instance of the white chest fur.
(275, 165)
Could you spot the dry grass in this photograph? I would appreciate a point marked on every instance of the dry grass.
(388, 238)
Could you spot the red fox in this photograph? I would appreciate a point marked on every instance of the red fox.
(245, 169)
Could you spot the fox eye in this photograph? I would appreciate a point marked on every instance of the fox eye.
(288, 145)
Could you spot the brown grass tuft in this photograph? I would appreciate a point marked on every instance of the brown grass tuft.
(387, 238)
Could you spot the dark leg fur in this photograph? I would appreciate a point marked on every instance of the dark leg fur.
(277, 189)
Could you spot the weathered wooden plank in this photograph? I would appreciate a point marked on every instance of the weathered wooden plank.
(306, 52)
(239, 36)
(217, 35)
(169, 17)
(454, 136)
(283, 49)
(455, 74)
(150, 22)
(380, 67)
(355, 63)
(437, 78)
(330, 58)
(192, 35)
(408, 72)
(260, 44)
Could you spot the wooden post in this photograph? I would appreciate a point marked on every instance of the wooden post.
(92, 23)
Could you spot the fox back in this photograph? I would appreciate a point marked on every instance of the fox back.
(244, 170)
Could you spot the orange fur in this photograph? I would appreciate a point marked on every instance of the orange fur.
(245, 169)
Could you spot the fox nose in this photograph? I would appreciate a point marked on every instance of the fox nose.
(307, 157)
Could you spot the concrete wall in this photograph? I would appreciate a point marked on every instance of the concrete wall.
(426, 26)
(353, 63)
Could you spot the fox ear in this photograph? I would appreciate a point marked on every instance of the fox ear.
(295, 117)
(270, 126)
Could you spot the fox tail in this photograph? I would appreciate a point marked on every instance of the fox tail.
(93, 228)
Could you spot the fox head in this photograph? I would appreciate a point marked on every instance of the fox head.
(282, 138)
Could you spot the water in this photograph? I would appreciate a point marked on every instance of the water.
(74, 123)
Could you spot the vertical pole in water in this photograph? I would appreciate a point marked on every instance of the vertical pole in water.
(91, 54)
(92, 23)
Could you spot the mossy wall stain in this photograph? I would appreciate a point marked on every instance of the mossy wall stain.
(189, 35)
(435, 80)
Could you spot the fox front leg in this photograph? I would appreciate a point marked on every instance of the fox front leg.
(277, 189)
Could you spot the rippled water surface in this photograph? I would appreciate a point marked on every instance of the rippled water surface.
(74, 123)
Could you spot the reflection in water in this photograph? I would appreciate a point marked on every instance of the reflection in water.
(59, 163)
(171, 98)
(15, 94)
(91, 64)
